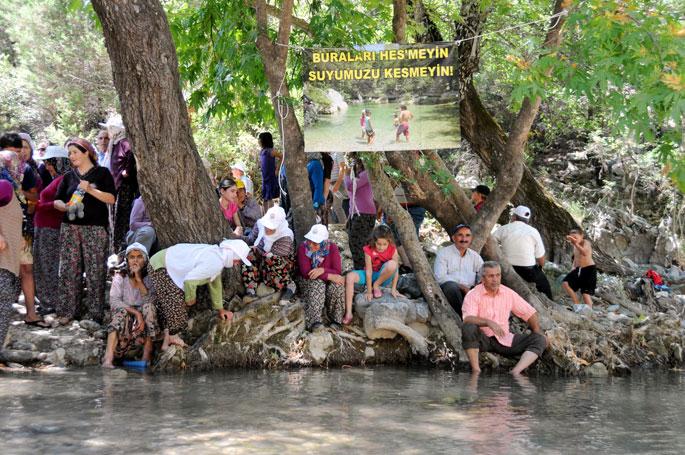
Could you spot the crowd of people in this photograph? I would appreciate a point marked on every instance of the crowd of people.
(65, 209)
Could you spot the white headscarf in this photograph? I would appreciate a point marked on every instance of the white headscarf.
(275, 217)
(198, 261)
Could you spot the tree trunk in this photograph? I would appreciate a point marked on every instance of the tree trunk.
(447, 318)
(274, 58)
(175, 186)
(399, 21)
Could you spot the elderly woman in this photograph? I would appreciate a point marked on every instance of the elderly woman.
(272, 254)
(83, 235)
(320, 280)
(133, 313)
(47, 222)
(177, 273)
(10, 251)
(228, 202)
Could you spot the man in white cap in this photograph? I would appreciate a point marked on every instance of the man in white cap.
(238, 171)
(523, 249)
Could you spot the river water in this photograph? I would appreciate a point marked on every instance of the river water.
(383, 410)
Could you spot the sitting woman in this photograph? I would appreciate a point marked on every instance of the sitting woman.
(272, 254)
(180, 269)
(249, 210)
(381, 262)
(228, 200)
(134, 317)
(320, 281)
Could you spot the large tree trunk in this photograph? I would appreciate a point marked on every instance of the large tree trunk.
(274, 58)
(174, 184)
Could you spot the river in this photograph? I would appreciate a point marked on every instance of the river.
(381, 410)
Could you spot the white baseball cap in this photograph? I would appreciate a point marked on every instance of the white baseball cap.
(522, 212)
(55, 151)
(239, 247)
(114, 121)
(273, 217)
(317, 234)
(239, 165)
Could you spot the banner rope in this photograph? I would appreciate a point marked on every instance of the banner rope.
(556, 16)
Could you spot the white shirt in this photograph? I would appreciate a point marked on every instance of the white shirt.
(452, 266)
(521, 243)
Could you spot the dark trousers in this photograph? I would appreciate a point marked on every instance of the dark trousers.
(472, 337)
(454, 295)
(534, 274)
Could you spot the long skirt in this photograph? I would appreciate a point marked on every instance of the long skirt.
(172, 312)
(9, 294)
(360, 228)
(128, 330)
(275, 271)
(46, 265)
(82, 249)
(126, 193)
(322, 299)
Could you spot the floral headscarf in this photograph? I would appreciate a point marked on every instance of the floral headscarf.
(317, 257)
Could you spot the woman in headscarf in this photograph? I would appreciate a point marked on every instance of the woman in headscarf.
(249, 210)
(177, 271)
(272, 255)
(320, 281)
(134, 317)
(10, 252)
(83, 235)
(47, 223)
(124, 171)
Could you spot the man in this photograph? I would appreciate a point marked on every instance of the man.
(487, 309)
(457, 267)
(478, 196)
(403, 127)
(522, 247)
(102, 147)
(238, 171)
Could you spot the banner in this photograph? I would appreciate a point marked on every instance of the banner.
(381, 97)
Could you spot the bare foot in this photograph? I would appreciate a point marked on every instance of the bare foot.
(107, 364)
(172, 339)
(347, 320)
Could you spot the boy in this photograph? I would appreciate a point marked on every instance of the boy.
(583, 277)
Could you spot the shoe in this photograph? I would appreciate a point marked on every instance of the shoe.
(38, 323)
(316, 327)
(250, 292)
(335, 326)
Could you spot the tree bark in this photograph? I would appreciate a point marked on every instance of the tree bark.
(274, 57)
(429, 32)
(399, 21)
(175, 186)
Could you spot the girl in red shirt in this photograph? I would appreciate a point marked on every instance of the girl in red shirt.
(381, 262)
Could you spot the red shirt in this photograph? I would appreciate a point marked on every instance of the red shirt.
(377, 258)
(47, 216)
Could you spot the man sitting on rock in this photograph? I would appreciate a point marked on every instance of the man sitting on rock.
(487, 309)
(522, 247)
(457, 267)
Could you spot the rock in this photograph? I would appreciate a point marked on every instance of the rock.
(117, 373)
(20, 356)
(319, 345)
(409, 286)
(264, 290)
(100, 335)
(369, 353)
(597, 370)
(56, 357)
(83, 353)
(23, 346)
(90, 326)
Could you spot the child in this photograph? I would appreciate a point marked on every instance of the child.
(362, 123)
(228, 201)
(395, 120)
(368, 128)
(381, 262)
(584, 274)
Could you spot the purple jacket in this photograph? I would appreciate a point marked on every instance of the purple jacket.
(331, 263)
(139, 217)
(363, 198)
(123, 160)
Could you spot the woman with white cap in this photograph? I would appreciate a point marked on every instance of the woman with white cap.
(320, 280)
(239, 173)
(134, 316)
(273, 247)
(177, 273)
(47, 222)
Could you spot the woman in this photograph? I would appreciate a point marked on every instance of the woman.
(123, 167)
(177, 272)
(10, 252)
(228, 201)
(133, 312)
(268, 159)
(83, 238)
(362, 211)
(320, 281)
(47, 222)
(272, 254)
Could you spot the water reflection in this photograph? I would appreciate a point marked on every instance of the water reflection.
(337, 411)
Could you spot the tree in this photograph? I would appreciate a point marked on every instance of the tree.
(174, 184)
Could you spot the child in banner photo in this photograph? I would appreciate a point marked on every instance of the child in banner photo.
(368, 128)
(362, 123)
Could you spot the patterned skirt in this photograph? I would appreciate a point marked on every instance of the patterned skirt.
(9, 294)
(128, 330)
(275, 271)
(170, 302)
(46, 265)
